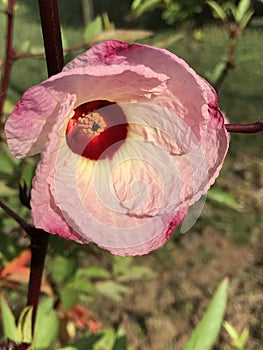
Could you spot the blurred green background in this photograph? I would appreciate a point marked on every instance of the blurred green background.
(156, 299)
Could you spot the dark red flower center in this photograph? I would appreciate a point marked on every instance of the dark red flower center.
(97, 129)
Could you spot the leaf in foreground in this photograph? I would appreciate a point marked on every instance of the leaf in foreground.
(206, 332)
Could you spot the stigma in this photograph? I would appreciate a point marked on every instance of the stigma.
(92, 123)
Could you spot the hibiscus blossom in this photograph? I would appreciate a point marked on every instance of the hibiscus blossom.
(130, 137)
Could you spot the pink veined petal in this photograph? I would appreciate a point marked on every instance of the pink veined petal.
(46, 215)
(28, 126)
(176, 144)
(187, 88)
(80, 191)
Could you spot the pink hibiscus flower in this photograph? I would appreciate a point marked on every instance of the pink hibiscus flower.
(130, 137)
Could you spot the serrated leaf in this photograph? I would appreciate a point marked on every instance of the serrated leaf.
(218, 11)
(207, 330)
(225, 199)
(242, 8)
(9, 323)
(25, 325)
(112, 290)
(47, 325)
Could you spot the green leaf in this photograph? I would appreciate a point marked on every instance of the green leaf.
(136, 273)
(229, 8)
(206, 332)
(85, 343)
(231, 331)
(219, 68)
(145, 6)
(107, 340)
(218, 11)
(25, 325)
(47, 325)
(121, 264)
(120, 34)
(82, 283)
(120, 342)
(224, 198)
(112, 290)
(7, 162)
(7, 191)
(69, 297)
(135, 4)
(28, 171)
(245, 19)
(242, 8)
(62, 268)
(244, 337)
(9, 323)
(8, 106)
(93, 28)
(97, 273)
(107, 24)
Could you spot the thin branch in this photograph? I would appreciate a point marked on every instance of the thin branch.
(9, 55)
(246, 128)
(234, 35)
(16, 217)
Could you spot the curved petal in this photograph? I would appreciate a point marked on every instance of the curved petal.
(28, 126)
(112, 83)
(187, 88)
(46, 215)
(127, 204)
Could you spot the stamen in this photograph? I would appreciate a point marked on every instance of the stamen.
(92, 124)
(97, 129)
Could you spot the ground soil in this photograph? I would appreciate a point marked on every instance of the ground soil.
(161, 313)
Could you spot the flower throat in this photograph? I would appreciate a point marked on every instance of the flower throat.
(97, 129)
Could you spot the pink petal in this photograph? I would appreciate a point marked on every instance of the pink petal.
(46, 214)
(27, 128)
(176, 144)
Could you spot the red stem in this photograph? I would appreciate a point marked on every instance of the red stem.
(51, 35)
(9, 57)
(246, 128)
(55, 61)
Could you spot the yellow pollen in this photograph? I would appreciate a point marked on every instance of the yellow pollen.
(92, 123)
